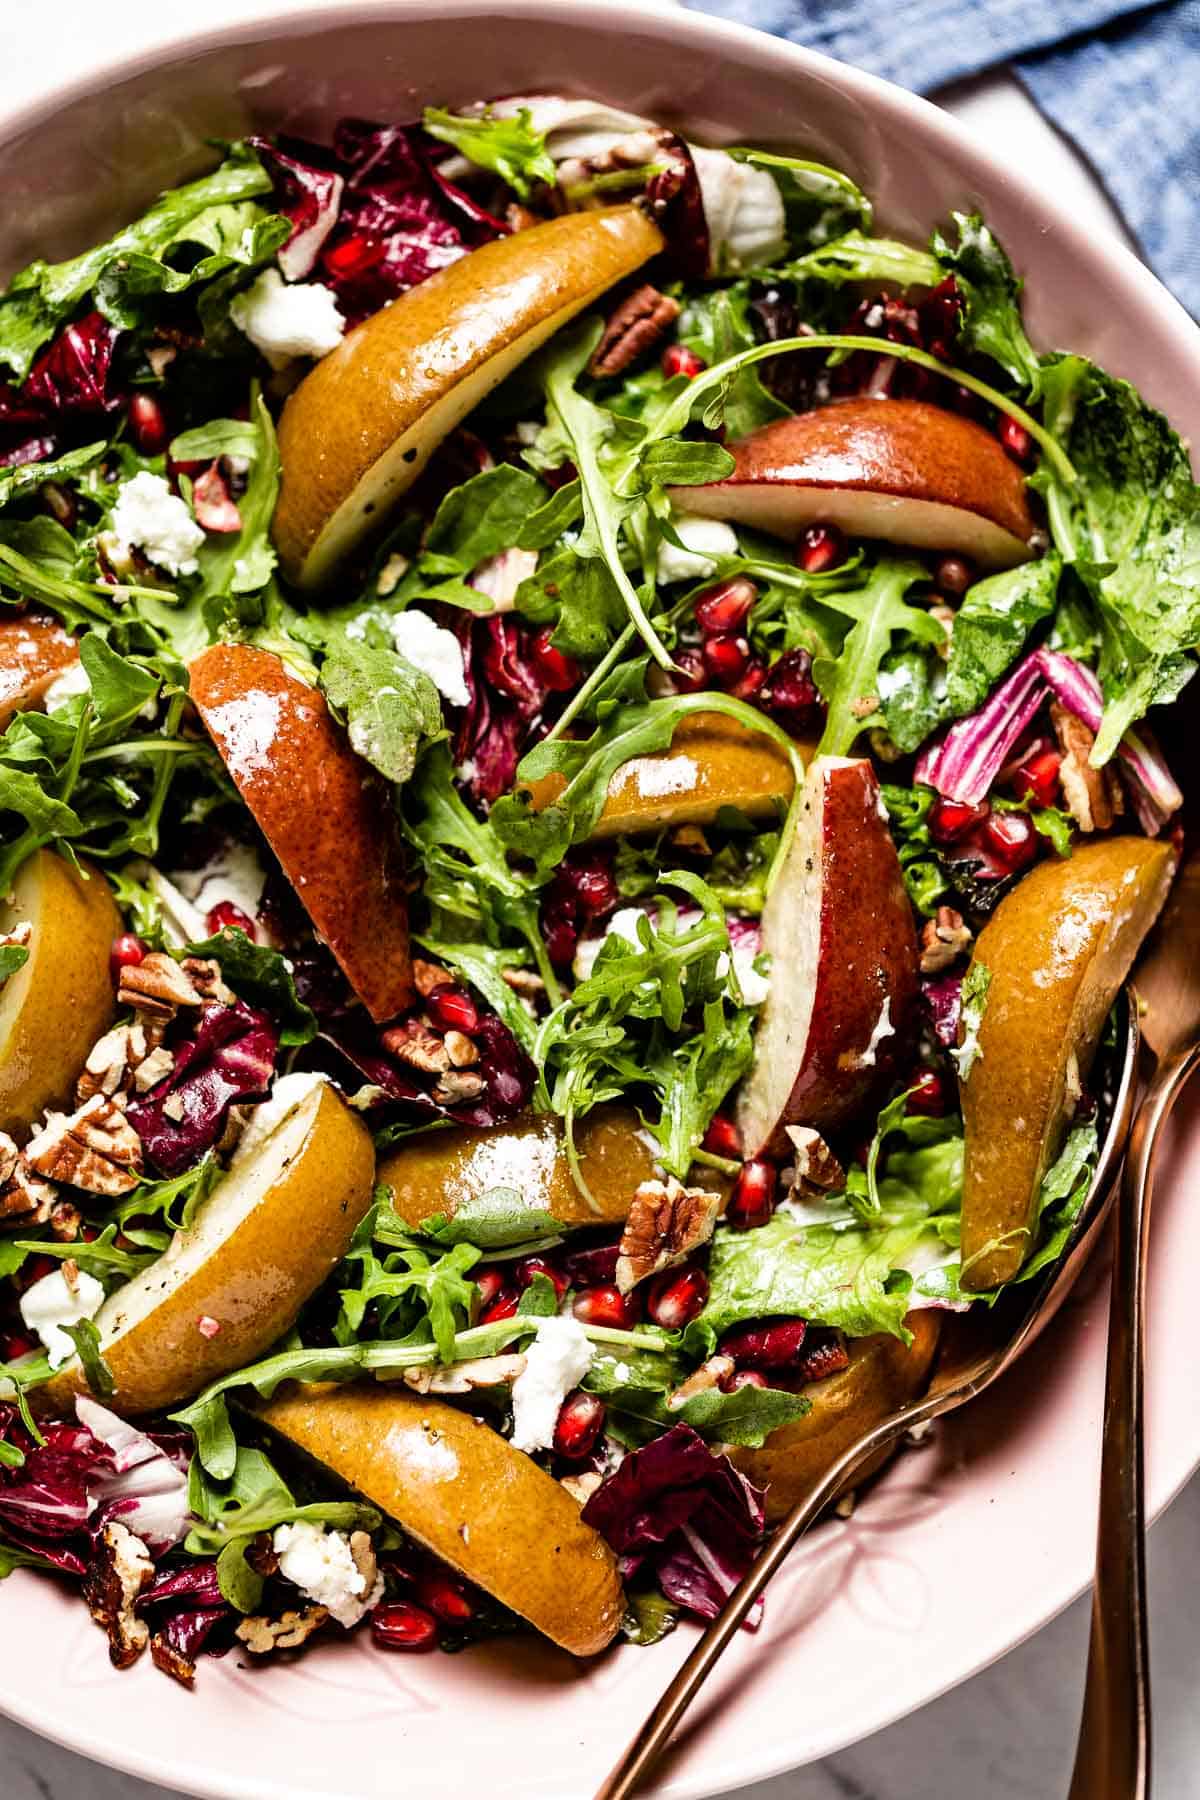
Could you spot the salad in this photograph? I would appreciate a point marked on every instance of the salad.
(576, 792)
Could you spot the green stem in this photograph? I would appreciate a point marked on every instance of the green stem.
(581, 696)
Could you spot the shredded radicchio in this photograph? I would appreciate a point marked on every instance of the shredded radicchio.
(309, 197)
(508, 1074)
(230, 1057)
(186, 1606)
(507, 694)
(943, 1003)
(70, 377)
(685, 1515)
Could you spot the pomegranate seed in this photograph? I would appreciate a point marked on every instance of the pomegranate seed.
(954, 575)
(14, 1344)
(225, 916)
(821, 548)
(791, 696)
(722, 1138)
(579, 1423)
(726, 607)
(212, 503)
(126, 953)
(1037, 779)
(529, 1266)
(725, 656)
(398, 1625)
(752, 682)
(451, 1009)
(753, 1198)
(678, 360)
(817, 1361)
(441, 1595)
(691, 676)
(676, 1296)
(765, 1346)
(37, 1268)
(597, 890)
(353, 256)
(928, 1095)
(1012, 839)
(503, 1306)
(745, 1378)
(148, 424)
(607, 1305)
(1015, 439)
(950, 820)
(489, 1282)
(558, 671)
(593, 1268)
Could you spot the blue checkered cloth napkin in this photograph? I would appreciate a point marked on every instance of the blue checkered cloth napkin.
(1123, 82)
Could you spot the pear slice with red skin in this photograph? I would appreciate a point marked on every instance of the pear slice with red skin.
(901, 470)
(34, 651)
(839, 930)
(362, 425)
(323, 811)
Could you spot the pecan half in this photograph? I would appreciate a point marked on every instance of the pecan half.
(291, 1629)
(25, 1200)
(158, 985)
(119, 1571)
(124, 1060)
(94, 1148)
(463, 1053)
(817, 1168)
(428, 975)
(944, 939)
(641, 319)
(171, 1661)
(204, 973)
(1093, 796)
(709, 1375)
(457, 1085)
(415, 1044)
(462, 1377)
(666, 1223)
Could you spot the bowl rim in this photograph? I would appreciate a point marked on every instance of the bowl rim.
(1141, 288)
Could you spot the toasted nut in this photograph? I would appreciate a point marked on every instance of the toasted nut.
(641, 319)
(157, 985)
(415, 1044)
(204, 973)
(1093, 796)
(94, 1148)
(816, 1165)
(119, 1571)
(666, 1223)
(429, 975)
(457, 1085)
(709, 1375)
(460, 1049)
(287, 1632)
(944, 939)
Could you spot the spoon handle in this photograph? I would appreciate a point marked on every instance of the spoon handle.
(1112, 1759)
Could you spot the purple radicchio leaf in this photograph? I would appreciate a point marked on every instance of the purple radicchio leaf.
(183, 1590)
(230, 1057)
(71, 375)
(145, 1489)
(49, 1496)
(309, 197)
(943, 1002)
(507, 695)
(677, 204)
(508, 1074)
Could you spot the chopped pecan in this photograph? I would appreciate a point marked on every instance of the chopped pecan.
(582, 1487)
(25, 1200)
(66, 1222)
(171, 1661)
(414, 1043)
(94, 1148)
(428, 975)
(666, 1223)
(691, 839)
(1093, 796)
(119, 1571)
(457, 1085)
(635, 327)
(125, 1059)
(261, 1555)
(158, 986)
(291, 1629)
(526, 982)
(944, 939)
(362, 1550)
(709, 1375)
(10, 1156)
(204, 973)
(462, 1377)
(816, 1165)
(460, 1049)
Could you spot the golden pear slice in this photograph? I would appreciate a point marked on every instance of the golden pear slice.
(362, 425)
(1057, 949)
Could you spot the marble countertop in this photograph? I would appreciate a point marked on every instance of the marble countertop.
(1013, 1727)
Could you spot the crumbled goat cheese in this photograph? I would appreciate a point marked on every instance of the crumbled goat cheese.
(149, 516)
(235, 874)
(743, 210)
(702, 540)
(883, 1029)
(321, 1565)
(65, 687)
(623, 924)
(556, 1361)
(289, 1092)
(433, 650)
(284, 322)
(54, 1302)
(755, 986)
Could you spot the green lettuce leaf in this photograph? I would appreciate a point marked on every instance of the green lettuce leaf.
(991, 294)
(509, 147)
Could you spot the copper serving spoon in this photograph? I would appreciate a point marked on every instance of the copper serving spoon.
(971, 1361)
(1112, 1761)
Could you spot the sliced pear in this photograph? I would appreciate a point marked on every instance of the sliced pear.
(883, 1374)
(713, 762)
(34, 651)
(268, 1235)
(839, 930)
(360, 428)
(440, 1171)
(896, 469)
(462, 1491)
(61, 1000)
(1057, 950)
(322, 810)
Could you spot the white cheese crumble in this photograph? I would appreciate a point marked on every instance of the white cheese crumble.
(54, 1302)
(883, 1029)
(284, 322)
(623, 924)
(702, 540)
(754, 985)
(289, 1092)
(433, 650)
(235, 874)
(151, 518)
(321, 1564)
(743, 210)
(556, 1361)
(66, 687)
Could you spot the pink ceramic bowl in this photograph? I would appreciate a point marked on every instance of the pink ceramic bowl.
(968, 1544)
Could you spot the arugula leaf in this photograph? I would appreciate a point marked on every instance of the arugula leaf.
(857, 257)
(849, 681)
(991, 294)
(44, 295)
(976, 982)
(992, 625)
(821, 202)
(716, 325)
(261, 976)
(509, 146)
(483, 516)
(242, 236)
(494, 1220)
(25, 478)
(12, 958)
(234, 563)
(1130, 525)
(98, 1375)
(392, 710)
(635, 1387)
(578, 596)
